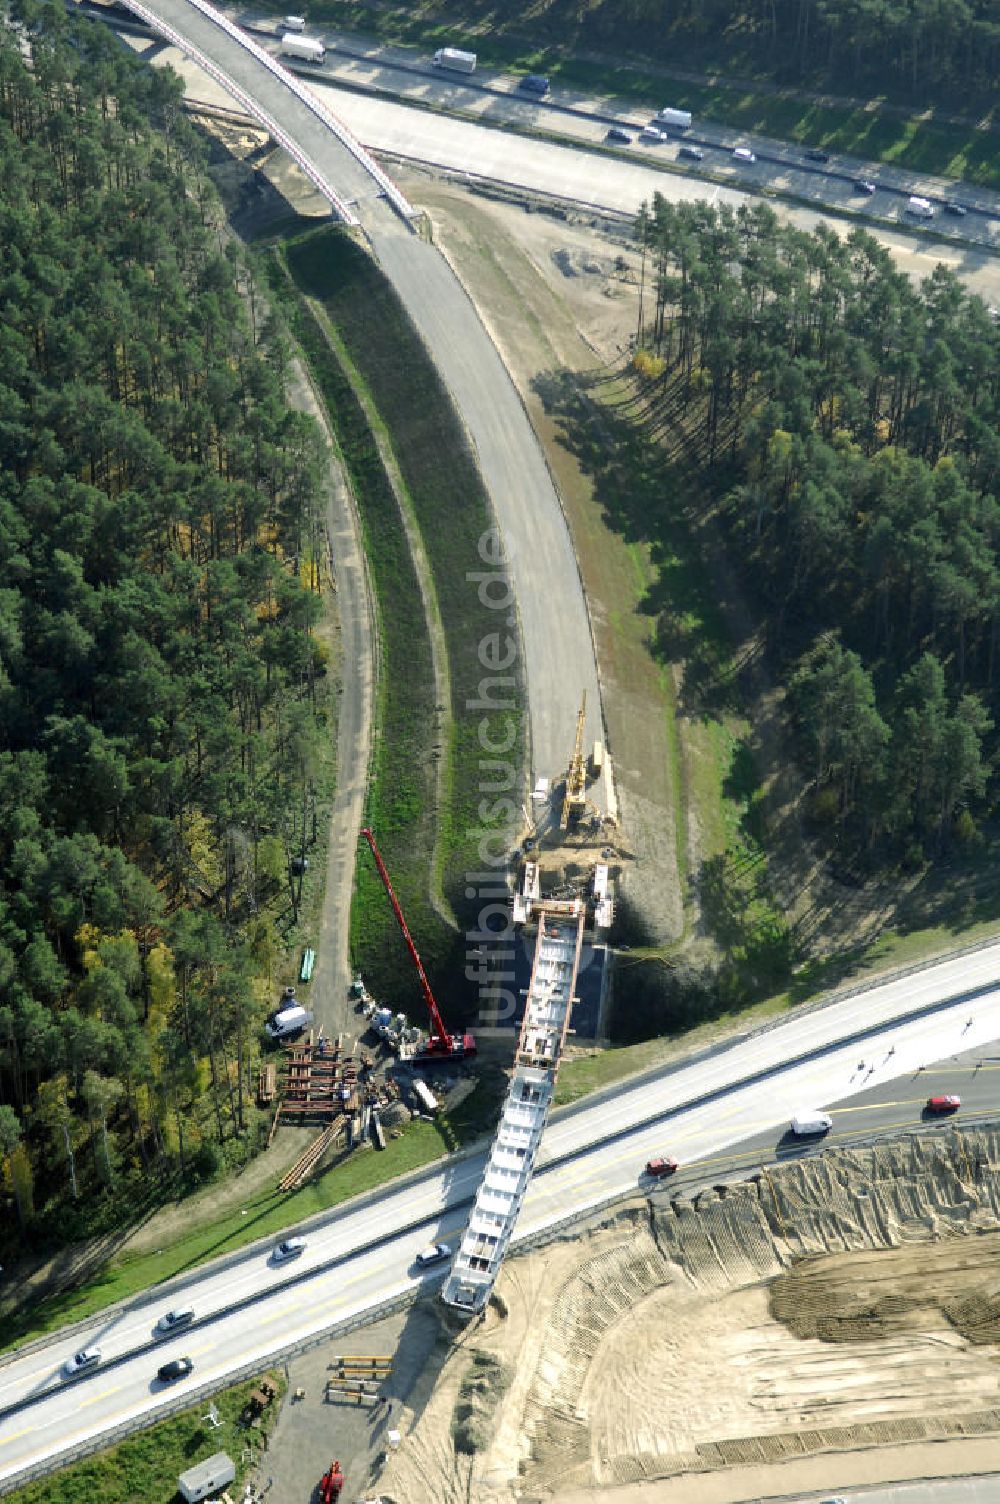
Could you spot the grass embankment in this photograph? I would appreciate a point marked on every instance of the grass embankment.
(914, 142)
(268, 1212)
(143, 1469)
(401, 799)
(450, 508)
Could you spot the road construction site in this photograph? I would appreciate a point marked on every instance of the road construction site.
(827, 1309)
(831, 1309)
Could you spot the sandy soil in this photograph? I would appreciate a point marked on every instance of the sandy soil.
(719, 1336)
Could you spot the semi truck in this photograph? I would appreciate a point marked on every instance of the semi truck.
(453, 57)
(679, 119)
(306, 48)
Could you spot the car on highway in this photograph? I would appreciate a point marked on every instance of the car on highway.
(86, 1358)
(534, 83)
(661, 1165)
(435, 1254)
(744, 154)
(959, 210)
(864, 185)
(174, 1320)
(693, 153)
(289, 1249)
(616, 134)
(815, 155)
(177, 1368)
(943, 1104)
(652, 134)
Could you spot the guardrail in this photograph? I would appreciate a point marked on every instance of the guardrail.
(251, 106)
(203, 1392)
(386, 186)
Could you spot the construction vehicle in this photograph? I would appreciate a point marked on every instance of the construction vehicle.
(575, 800)
(331, 1483)
(441, 1045)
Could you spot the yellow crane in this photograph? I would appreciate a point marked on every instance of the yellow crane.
(575, 800)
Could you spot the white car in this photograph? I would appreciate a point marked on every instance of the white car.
(289, 1249)
(435, 1254)
(87, 1357)
(652, 133)
(174, 1320)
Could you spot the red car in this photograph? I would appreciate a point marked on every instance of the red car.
(943, 1104)
(660, 1166)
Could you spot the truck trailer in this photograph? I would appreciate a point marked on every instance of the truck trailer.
(453, 57)
(679, 119)
(306, 48)
(922, 208)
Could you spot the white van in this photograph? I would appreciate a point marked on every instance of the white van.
(286, 1022)
(808, 1120)
(921, 207)
(744, 154)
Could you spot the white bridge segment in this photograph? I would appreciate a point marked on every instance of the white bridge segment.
(179, 39)
(512, 1157)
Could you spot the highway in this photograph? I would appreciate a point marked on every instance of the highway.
(494, 100)
(863, 1052)
(559, 660)
(620, 183)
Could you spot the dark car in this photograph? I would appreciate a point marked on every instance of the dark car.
(943, 1104)
(177, 1368)
(535, 83)
(617, 134)
(957, 209)
(815, 155)
(662, 1165)
(864, 185)
(694, 153)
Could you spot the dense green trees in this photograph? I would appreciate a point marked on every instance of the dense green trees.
(160, 553)
(924, 51)
(846, 424)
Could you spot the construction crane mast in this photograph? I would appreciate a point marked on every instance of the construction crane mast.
(441, 1045)
(575, 800)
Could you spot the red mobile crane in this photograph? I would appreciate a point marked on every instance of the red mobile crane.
(441, 1045)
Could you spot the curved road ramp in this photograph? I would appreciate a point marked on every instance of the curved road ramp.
(560, 664)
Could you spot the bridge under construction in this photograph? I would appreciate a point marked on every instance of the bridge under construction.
(536, 1063)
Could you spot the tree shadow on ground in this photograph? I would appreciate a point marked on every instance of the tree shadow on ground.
(650, 494)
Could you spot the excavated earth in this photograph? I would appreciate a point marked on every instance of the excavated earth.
(847, 1303)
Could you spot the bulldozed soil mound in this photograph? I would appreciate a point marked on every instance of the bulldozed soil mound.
(847, 1301)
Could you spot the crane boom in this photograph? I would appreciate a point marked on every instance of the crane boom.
(441, 1042)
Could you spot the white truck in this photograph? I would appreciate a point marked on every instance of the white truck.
(288, 1022)
(922, 208)
(679, 119)
(306, 48)
(453, 57)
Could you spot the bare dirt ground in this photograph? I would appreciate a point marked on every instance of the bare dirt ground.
(817, 1326)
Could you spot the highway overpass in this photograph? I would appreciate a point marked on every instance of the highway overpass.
(559, 659)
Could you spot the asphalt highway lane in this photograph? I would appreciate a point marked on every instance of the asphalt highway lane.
(862, 1052)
